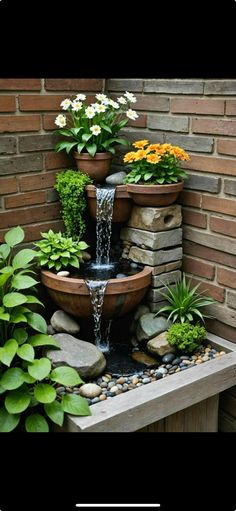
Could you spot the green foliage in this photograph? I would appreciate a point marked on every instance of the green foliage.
(185, 303)
(56, 251)
(186, 337)
(26, 379)
(70, 185)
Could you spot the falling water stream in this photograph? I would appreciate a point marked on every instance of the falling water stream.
(97, 287)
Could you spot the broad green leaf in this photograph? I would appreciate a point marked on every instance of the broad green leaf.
(23, 282)
(55, 412)
(36, 423)
(7, 269)
(18, 317)
(43, 340)
(23, 258)
(13, 378)
(4, 251)
(33, 299)
(13, 299)
(105, 127)
(20, 334)
(17, 402)
(39, 369)
(4, 316)
(8, 422)
(26, 352)
(76, 405)
(80, 147)
(86, 136)
(3, 278)
(91, 148)
(14, 236)
(82, 245)
(8, 351)
(2, 390)
(45, 393)
(66, 376)
(28, 378)
(37, 322)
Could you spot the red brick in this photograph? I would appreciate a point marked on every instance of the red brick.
(58, 160)
(25, 199)
(230, 107)
(217, 204)
(141, 122)
(210, 254)
(218, 328)
(74, 84)
(197, 106)
(33, 232)
(12, 123)
(7, 104)
(199, 268)
(49, 122)
(216, 292)
(226, 146)
(214, 126)
(194, 218)
(211, 164)
(29, 215)
(226, 277)
(8, 185)
(37, 181)
(152, 103)
(20, 84)
(39, 102)
(222, 225)
(190, 199)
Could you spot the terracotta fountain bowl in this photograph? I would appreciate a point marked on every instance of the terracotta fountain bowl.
(121, 295)
(122, 203)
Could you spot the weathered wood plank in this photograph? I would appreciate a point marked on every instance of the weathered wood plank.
(175, 422)
(227, 424)
(228, 403)
(156, 427)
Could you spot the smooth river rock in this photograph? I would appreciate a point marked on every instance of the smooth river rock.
(159, 345)
(62, 322)
(81, 355)
(116, 179)
(90, 390)
(143, 358)
(150, 326)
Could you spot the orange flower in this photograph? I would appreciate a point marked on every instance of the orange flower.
(140, 144)
(154, 147)
(153, 158)
(129, 157)
(179, 153)
(140, 155)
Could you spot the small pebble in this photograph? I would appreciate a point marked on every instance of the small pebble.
(114, 389)
(121, 380)
(146, 380)
(222, 353)
(120, 276)
(63, 273)
(102, 397)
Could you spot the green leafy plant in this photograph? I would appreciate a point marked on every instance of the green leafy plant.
(186, 337)
(57, 251)
(155, 163)
(70, 185)
(28, 396)
(185, 304)
(94, 128)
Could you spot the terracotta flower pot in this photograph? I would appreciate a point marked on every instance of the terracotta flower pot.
(97, 167)
(122, 203)
(154, 195)
(121, 295)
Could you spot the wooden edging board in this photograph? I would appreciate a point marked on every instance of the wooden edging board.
(145, 405)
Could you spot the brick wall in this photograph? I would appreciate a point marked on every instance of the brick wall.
(28, 163)
(200, 116)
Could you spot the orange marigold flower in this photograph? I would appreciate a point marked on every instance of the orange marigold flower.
(153, 158)
(154, 147)
(129, 157)
(140, 144)
(140, 155)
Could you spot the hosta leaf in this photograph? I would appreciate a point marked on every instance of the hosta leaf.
(14, 236)
(76, 405)
(55, 412)
(43, 340)
(8, 422)
(4, 251)
(17, 402)
(37, 322)
(13, 299)
(40, 369)
(13, 378)
(33, 299)
(23, 257)
(8, 351)
(23, 282)
(26, 352)
(45, 393)
(66, 376)
(36, 423)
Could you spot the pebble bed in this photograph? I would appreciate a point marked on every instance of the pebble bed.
(112, 384)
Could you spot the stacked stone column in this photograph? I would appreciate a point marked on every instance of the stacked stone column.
(153, 236)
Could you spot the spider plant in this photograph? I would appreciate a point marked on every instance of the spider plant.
(185, 303)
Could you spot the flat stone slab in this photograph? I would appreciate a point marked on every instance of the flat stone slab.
(155, 295)
(153, 240)
(164, 268)
(148, 326)
(62, 322)
(156, 219)
(166, 278)
(154, 258)
(81, 355)
(156, 306)
(159, 345)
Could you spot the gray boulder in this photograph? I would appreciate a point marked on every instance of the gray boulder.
(159, 345)
(81, 355)
(62, 322)
(150, 326)
(116, 179)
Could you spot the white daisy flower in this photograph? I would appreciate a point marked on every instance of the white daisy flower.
(90, 112)
(131, 114)
(76, 105)
(66, 103)
(96, 130)
(100, 108)
(122, 100)
(101, 97)
(130, 97)
(60, 121)
(114, 104)
(80, 97)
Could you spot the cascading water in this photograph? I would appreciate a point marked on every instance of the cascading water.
(97, 287)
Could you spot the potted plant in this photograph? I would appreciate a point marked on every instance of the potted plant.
(92, 130)
(156, 177)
